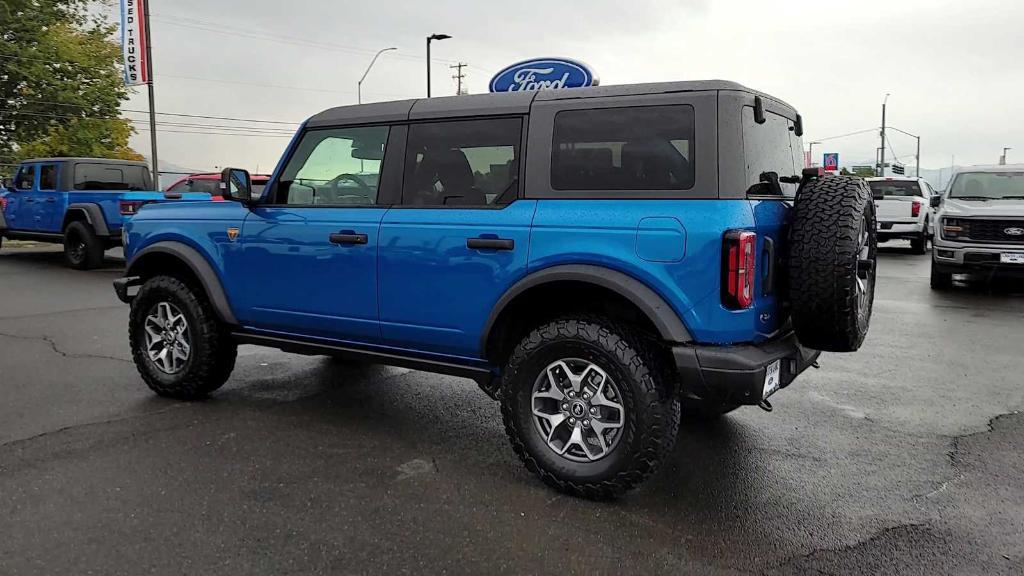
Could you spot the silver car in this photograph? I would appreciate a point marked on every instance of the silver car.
(980, 224)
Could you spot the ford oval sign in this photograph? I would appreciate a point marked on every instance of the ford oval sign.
(543, 74)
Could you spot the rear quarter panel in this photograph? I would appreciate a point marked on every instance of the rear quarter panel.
(109, 202)
(605, 233)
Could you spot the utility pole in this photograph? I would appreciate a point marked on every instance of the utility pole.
(152, 106)
(881, 163)
(1002, 159)
(459, 76)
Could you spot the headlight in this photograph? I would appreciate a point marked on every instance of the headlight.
(953, 228)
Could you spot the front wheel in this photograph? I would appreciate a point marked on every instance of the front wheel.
(919, 245)
(179, 347)
(940, 280)
(588, 407)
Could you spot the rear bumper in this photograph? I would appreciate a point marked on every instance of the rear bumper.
(736, 374)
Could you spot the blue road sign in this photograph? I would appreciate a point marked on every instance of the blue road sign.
(831, 162)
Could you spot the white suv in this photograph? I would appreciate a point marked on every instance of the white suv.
(902, 208)
(980, 224)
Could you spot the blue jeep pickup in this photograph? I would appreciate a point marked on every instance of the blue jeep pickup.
(601, 261)
(80, 202)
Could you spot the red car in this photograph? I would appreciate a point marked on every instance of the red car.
(210, 183)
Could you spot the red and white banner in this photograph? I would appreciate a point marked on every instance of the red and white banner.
(134, 37)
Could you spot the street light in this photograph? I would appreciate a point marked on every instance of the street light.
(917, 157)
(881, 163)
(359, 85)
(429, 39)
(810, 151)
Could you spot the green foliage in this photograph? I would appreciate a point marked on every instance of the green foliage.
(60, 81)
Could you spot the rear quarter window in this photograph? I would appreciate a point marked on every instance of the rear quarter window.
(632, 148)
(97, 176)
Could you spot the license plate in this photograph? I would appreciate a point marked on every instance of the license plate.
(1011, 258)
(771, 378)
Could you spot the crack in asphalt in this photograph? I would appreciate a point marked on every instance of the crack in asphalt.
(954, 450)
(123, 418)
(57, 312)
(862, 542)
(57, 350)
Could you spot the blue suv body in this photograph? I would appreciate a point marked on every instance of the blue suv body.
(79, 202)
(599, 260)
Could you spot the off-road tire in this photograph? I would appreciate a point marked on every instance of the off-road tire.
(940, 280)
(702, 410)
(83, 250)
(833, 223)
(647, 391)
(919, 245)
(213, 352)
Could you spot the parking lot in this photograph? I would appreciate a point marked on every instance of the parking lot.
(907, 456)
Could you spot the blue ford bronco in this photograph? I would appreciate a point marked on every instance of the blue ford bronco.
(78, 202)
(601, 261)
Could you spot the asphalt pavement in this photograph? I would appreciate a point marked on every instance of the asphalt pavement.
(906, 457)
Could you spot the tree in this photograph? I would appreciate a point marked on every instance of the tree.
(60, 81)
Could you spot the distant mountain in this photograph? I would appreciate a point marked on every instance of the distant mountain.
(937, 177)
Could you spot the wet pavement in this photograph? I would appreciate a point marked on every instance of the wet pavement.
(905, 457)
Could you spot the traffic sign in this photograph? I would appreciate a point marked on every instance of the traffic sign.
(831, 162)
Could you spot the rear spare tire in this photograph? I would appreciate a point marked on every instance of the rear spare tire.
(833, 244)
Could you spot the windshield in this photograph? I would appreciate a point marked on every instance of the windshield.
(989, 185)
(895, 188)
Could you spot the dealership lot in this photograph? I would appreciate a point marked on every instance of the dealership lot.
(906, 456)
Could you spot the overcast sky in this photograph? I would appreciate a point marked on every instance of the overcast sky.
(955, 69)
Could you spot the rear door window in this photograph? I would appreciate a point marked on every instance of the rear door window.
(634, 148)
(48, 177)
(768, 147)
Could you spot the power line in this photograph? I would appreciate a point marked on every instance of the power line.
(171, 113)
(240, 130)
(848, 134)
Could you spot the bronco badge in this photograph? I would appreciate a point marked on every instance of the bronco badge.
(232, 234)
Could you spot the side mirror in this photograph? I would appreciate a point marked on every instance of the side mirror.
(236, 185)
(935, 201)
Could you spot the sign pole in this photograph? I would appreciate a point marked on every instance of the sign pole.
(149, 84)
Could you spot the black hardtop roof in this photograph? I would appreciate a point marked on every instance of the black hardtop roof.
(500, 103)
(78, 159)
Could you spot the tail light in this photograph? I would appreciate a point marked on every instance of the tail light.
(3, 204)
(738, 269)
(130, 207)
(915, 209)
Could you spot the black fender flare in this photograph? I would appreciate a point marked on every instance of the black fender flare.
(664, 318)
(199, 266)
(93, 215)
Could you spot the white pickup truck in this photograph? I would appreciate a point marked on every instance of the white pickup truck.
(902, 210)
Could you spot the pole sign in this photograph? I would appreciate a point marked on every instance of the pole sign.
(831, 162)
(133, 42)
(543, 74)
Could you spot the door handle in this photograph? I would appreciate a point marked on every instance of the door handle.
(51, 200)
(490, 243)
(29, 200)
(348, 238)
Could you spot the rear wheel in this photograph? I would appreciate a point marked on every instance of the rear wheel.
(178, 345)
(833, 246)
(588, 407)
(83, 250)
